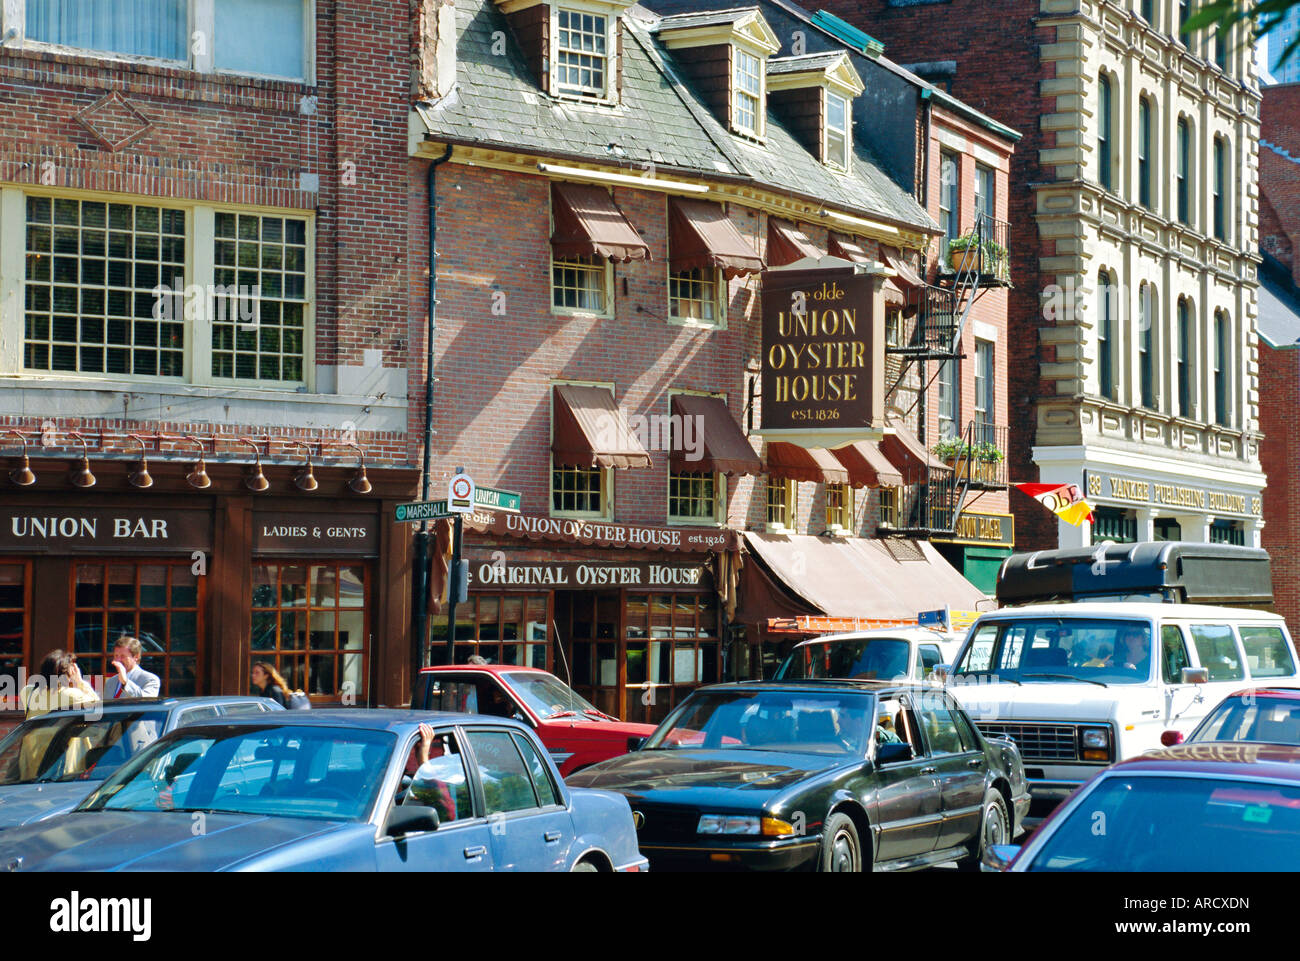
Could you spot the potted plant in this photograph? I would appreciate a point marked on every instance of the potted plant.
(995, 258)
(987, 458)
(954, 452)
(962, 249)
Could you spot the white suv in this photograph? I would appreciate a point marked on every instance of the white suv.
(1079, 686)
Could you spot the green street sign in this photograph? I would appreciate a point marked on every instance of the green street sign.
(421, 511)
(496, 500)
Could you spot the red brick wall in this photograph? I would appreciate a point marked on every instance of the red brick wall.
(1279, 176)
(1279, 408)
(995, 44)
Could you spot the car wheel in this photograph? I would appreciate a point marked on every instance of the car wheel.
(585, 867)
(841, 848)
(995, 828)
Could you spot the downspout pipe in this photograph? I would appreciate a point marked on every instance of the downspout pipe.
(423, 548)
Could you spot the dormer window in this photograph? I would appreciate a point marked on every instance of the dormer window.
(732, 44)
(813, 94)
(571, 46)
(581, 54)
(747, 94)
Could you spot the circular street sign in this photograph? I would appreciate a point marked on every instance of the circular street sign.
(401, 512)
(461, 487)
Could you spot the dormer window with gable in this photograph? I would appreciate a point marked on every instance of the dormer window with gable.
(813, 93)
(572, 46)
(725, 54)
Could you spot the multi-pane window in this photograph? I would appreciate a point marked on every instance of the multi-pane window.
(694, 294)
(781, 507)
(948, 407)
(1184, 173)
(578, 283)
(312, 622)
(15, 621)
(1184, 358)
(1106, 334)
(1144, 152)
(949, 191)
(888, 506)
(156, 602)
(1220, 221)
(578, 490)
(839, 507)
(672, 648)
(985, 201)
(984, 432)
(747, 92)
(1105, 132)
(893, 327)
(837, 130)
(581, 59)
(1114, 524)
(1146, 345)
(1222, 352)
(259, 261)
(1228, 532)
(692, 496)
(503, 628)
(95, 279)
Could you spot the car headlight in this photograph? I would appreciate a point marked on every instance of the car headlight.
(729, 824)
(1096, 743)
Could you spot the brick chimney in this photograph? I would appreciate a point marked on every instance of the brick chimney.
(433, 68)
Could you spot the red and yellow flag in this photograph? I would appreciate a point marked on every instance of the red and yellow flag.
(1066, 501)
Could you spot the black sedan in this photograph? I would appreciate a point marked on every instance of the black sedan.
(822, 775)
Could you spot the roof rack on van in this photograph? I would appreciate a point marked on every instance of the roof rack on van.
(1171, 571)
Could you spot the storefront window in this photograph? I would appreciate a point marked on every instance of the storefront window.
(155, 601)
(672, 648)
(502, 628)
(312, 622)
(1113, 524)
(14, 620)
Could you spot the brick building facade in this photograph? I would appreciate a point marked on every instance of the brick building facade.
(268, 177)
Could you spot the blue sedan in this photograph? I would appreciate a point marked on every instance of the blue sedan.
(51, 762)
(349, 790)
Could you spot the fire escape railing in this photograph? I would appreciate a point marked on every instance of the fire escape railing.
(976, 462)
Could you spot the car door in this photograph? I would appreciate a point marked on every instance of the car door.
(959, 764)
(529, 825)
(1216, 649)
(909, 807)
(1179, 698)
(461, 841)
(928, 657)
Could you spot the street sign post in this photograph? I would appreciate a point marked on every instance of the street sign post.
(421, 511)
(460, 494)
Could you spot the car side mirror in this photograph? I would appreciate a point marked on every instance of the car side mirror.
(1170, 738)
(406, 819)
(892, 753)
(998, 858)
(941, 672)
(635, 743)
(1195, 675)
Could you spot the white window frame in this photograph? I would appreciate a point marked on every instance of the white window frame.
(719, 517)
(847, 511)
(760, 107)
(606, 473)
(610, 93)
(721, 295)
(847, 131)
(200, 227)
(202, 21)
(985, 388)
(791, 506)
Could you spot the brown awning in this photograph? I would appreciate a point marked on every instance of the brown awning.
(908, 454)
(590, 431)
(587, 222)
(868, 466)
(896, 262)
(720, 446)
(701, 235)
(793, 462)
(786, 243)
(854, 249)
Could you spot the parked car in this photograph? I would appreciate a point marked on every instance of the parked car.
(51, 762)
(1192, 808)
(1261, 714)
(334, 791)
(575, 733)
(1080, 686)
(886, 654)
(827, 775)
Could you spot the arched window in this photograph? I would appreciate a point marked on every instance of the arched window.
(1105, 131)
(1184, 170)
(1147, 345)
(1144, 152)
(1185, 362)
(1222, 358)
(1220, 219)
(1106, 334)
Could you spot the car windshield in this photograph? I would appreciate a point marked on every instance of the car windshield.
(71, 747)
(1253, 717)
(803, 722)
(1053, 649)
(876, 658)
(546, 695)
(1159, 823)
(279, 771)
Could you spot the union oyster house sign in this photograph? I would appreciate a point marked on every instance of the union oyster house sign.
(823, 360)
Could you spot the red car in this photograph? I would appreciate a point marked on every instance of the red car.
(574, 732)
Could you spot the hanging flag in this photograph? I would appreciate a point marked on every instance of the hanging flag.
(1066, 501)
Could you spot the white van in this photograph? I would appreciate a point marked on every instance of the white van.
(886, 654)
(1080, 686)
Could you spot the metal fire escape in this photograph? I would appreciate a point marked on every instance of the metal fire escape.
(934, 504)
